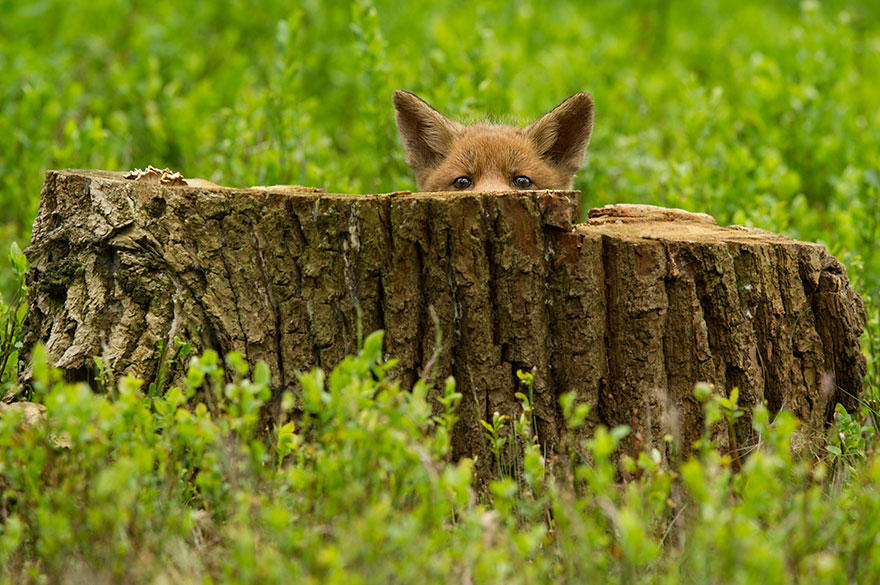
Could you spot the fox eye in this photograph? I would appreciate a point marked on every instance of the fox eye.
(522, 182)
(462, 183)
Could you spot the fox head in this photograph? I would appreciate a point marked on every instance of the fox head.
(448, 156)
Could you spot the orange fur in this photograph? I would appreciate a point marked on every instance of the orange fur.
(492, 157)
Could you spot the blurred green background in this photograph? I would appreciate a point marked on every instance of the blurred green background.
(757, 112)
(762, 113)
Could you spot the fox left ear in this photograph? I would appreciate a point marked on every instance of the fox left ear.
(427, 134)
(562, 135)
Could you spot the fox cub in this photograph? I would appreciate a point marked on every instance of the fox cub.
(448, 156)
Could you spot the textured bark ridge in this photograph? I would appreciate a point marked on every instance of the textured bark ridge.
(628, 310)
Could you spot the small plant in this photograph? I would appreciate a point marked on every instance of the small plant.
(12, 324)
(446, 420)
(527, 379)
(165, 364)
(717, 408)
(104, 376)
(852, 440)
(497, 437)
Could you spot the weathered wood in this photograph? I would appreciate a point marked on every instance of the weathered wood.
(628, 310)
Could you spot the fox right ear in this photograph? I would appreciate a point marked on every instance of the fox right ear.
(426, 133)
(562, 135)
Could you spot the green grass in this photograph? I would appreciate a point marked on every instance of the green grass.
(755, 112)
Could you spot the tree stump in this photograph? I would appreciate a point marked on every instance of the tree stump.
(627, 310)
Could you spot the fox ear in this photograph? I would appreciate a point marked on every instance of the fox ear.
(562, 135)
(426, 133)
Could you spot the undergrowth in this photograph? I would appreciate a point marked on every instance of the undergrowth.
(147, 481)
(357, 485)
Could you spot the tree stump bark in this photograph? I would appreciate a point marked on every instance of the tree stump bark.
(627, 310)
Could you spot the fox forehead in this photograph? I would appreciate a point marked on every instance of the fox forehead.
(489, 146)
(491, 150)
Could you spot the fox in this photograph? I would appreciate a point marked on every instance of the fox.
(448, 156)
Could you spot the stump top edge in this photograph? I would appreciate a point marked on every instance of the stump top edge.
(299, 190)
(664, 230)
(559, 209)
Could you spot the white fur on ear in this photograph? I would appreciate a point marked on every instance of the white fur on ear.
(426, 133)
(562, 135)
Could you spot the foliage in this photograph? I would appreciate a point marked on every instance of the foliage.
(358, 486)
(759, 113)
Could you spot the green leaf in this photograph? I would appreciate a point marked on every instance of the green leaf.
(262, 374)
(703, 391)
(620, 432)
(373, 346)
(734, 397)
(18, 260)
